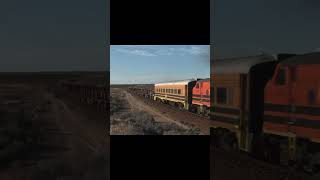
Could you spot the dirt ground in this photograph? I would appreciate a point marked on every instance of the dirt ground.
(48, 137)
(232, 165)
(131, 116)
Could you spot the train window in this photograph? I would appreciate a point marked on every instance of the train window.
(293, 73)
(197, 86)
(281, 77)
(179, 91)
(171, 91)
(222, 95)
(230, 95)
(311, 97)
(175, 91)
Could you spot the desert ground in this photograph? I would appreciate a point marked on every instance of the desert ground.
(45, 134)
(130, 115)
(234, 165)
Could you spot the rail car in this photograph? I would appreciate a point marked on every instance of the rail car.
(87, 93)
(147, 92)
(192, 95)
(269, 107)
(177, 93)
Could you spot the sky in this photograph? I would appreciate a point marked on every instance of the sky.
(148, 64)
(246, 27)
(37, 35)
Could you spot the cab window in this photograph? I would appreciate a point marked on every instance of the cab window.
(222, 95)
(197, 85)
(293, 74)
(281, 77)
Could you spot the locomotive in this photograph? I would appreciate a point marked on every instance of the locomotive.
(269, 107)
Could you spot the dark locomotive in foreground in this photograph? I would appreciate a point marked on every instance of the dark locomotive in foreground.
(269, 107)
(266, 106)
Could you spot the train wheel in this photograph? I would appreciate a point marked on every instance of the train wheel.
(312, 162)
(199, 110)
(271, 151)
(181, 106)
(227, 141)
(207, 112)
(193, 109)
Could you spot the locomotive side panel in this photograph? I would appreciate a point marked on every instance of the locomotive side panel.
(297, 111)
(201, 97)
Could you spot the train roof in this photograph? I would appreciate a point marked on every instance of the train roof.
(309, 58)
(184, 82)
(203, 80)
(239, 64)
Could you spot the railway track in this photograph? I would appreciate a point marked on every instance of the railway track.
(148, 100)
(183, 116)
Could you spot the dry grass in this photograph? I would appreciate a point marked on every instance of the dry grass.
(133, 122)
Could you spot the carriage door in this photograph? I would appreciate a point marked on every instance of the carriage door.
(291, 88)
(282, 97)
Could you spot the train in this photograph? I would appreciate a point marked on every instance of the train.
(191, 95)
(91, 94)
(269, 106)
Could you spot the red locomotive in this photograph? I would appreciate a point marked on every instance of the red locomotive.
(201, 97)
(269, 107)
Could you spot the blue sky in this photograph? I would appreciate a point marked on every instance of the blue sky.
(246, 27)
(59, 35)
(140, 64)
